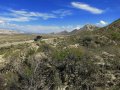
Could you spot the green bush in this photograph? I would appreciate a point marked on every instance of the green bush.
(115, 36)
(11, 78)
(28, 72)
(67, 53)
(31, 51)
(44, 48)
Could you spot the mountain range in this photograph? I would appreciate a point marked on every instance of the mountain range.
(88, 27)
(9, 32)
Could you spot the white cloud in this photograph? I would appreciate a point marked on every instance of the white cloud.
(16, 19)
(102, 23)
(24, 16)
(87, 7)
(32, 14)
(62, 13)
(2, 22)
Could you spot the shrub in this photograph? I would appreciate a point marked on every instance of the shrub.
(86, 41)
(115, 36)
(31, 51)
(10, 78)
(44, 48)
(67, 53)
(2, 81)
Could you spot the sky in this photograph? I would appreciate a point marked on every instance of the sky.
(46, 16)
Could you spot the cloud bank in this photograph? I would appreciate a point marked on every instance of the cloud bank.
(9, 19)
(37, 28)
(24, 16)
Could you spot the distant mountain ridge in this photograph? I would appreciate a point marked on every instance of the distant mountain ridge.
(5, 31)
(88, 27)
(62, 33)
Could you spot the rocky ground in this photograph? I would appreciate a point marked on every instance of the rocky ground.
(86, 61)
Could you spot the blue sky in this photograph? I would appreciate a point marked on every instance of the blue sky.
(45, 16)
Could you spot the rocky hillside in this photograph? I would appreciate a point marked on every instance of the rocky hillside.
(85, 61)
(87, 27)
(111, 31)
